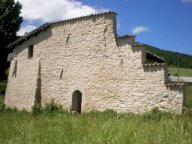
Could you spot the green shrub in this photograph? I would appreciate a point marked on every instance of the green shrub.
(10, 110)
(6, 72)
(156, 115)
(3, 86)
(36, 109)
(52, 108)
(110, 113)
(2, 108)
(49, 109)
(188, 112)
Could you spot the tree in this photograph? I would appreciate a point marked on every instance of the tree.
(9, 25)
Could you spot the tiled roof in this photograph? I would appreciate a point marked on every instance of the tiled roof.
(126, 36)
(154, 64)
(149, 54)
(175, 85)
(137, 44)
(46, 25)
(88, 16)
(27, 36)
(154, 57)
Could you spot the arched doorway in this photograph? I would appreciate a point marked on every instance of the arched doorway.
(76, 101)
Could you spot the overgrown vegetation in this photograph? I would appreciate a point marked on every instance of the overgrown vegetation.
(49, 109)
(10, 21)
(2, 87)
(54, 125)
(171, 58)
(188, 99)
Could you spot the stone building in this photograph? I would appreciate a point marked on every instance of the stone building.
(83, 65)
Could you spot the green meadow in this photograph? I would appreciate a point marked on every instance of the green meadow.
(53, 125)
(185, 72)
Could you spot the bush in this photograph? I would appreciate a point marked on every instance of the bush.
(3, 86)
(10, 110)
(2, 108)
(156, 115)
(36, 109)
(52, 108)
(49, 109)
(188, 112)
(110, 113)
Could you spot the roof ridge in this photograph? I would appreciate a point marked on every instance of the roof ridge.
(137, 44)
(81, 17)
(125, 36)
(46, 25)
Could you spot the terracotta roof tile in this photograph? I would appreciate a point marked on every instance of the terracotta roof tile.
(137, 44)
(125, 36)
(154, 64)
(175, 85)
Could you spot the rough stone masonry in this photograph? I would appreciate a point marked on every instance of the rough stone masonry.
(83, 65)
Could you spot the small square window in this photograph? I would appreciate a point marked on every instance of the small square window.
(30, 51)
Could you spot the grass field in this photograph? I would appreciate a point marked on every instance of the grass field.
(182, 72)
(95, 127)
(188, 101)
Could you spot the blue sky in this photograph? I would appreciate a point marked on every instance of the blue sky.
(166, 24)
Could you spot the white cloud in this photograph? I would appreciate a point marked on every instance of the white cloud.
(186, 1)
(52, 10)
(25, 29)
(140, 29)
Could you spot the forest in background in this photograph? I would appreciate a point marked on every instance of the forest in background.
(171, 58)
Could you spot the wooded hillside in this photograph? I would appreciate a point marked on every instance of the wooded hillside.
(171, 58)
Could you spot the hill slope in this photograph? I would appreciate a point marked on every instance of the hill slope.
(171, 58)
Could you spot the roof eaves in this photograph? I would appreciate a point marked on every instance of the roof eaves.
(27, 36)
(175, 84)
(125, 36)
(154, 64)
(154, 56)
(137, 44)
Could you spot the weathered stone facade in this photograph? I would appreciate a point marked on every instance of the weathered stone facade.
(85, 54)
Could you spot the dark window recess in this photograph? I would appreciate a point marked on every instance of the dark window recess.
(30, 51)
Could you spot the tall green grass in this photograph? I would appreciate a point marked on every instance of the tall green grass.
(52, 125)
(95, 127)
(188, 98)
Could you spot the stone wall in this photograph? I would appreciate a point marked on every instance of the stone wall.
(22, 84)
(85, 55)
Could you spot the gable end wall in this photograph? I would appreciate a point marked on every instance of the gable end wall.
(85, 55)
